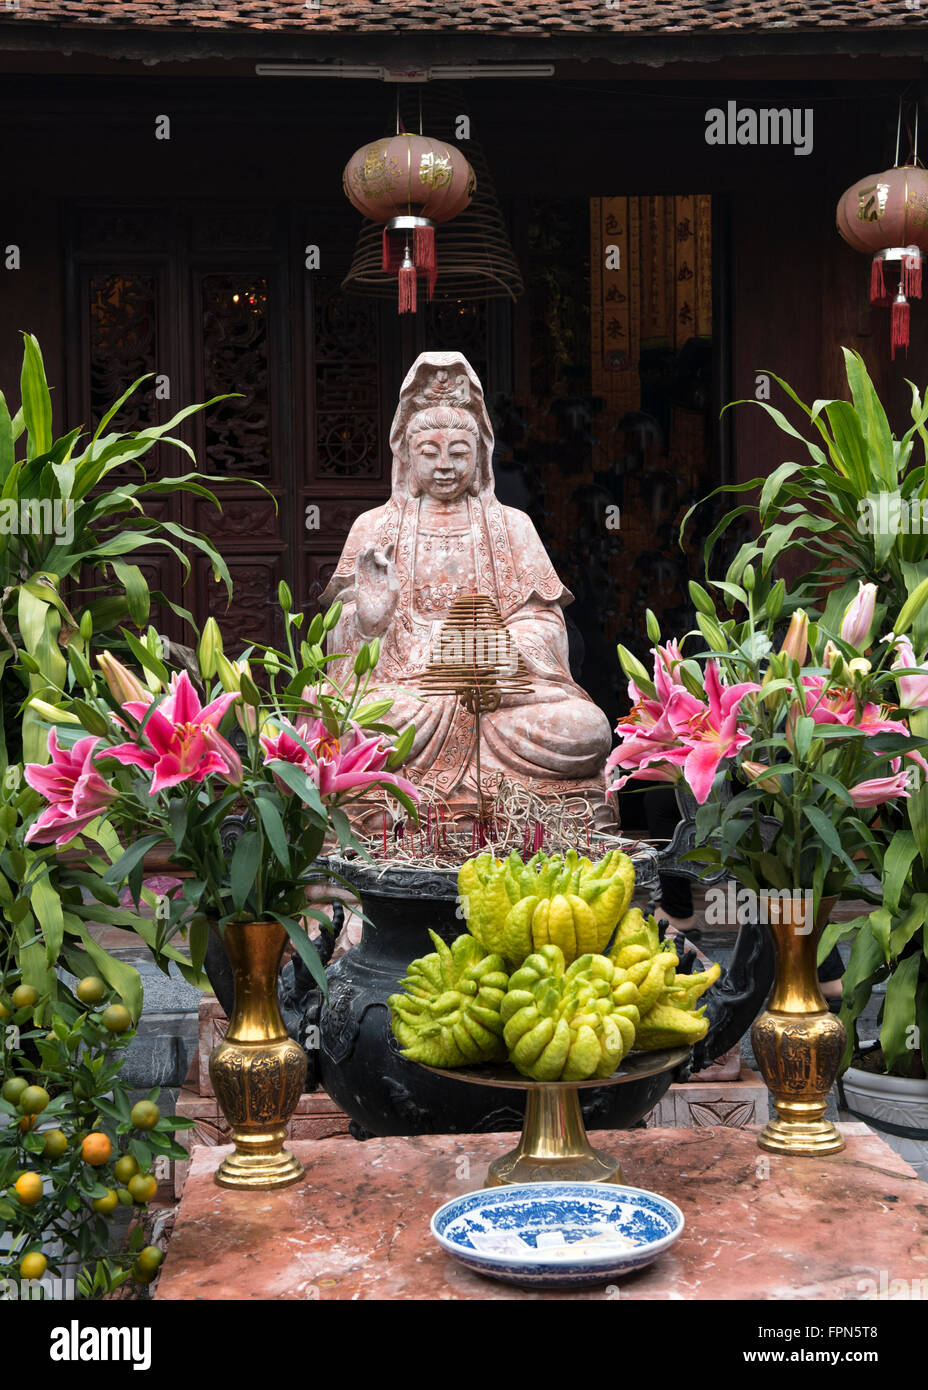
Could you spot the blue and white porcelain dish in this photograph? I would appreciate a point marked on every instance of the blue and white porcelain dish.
(557, 1234)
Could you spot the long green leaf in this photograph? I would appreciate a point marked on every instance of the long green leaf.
(121, 869)
(897, 861)
(899, 1011)
(137, 596)
(274, 829)
(7, 447)
(873, 421)
(46, 905)
(243, 871)
(306, 951)
(37, 401)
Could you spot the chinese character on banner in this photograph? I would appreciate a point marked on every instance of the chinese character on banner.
(684, 230)
(685, 272)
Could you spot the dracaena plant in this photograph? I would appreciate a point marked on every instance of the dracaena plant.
(146, 759)
(68, 534)
(854, 511)
(850, 520)
(67, 537)
(819, 758)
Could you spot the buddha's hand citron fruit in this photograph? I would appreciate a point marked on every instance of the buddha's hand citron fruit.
(449, 1013)
(561, 1022)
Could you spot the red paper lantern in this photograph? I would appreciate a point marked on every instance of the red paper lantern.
(409, 183)
(886, 216)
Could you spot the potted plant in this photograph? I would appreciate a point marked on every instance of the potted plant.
(150, 765)
(70, 525)
(805, 732)
(853, 520)
(73, 1148)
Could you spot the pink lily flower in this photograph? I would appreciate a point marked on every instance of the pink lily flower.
(76, 792)
(858, 616)
(337, 764)
(913, 690)
(667, 670)
(179, 750)
(709, 731)
(836, 706)
(280, 746)
(879, 789)
(650, 749)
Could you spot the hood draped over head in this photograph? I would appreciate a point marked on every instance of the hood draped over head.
(446, 383)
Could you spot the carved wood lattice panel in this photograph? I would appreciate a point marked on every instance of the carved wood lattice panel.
(235, 311)
(123, 334)
(347, 384)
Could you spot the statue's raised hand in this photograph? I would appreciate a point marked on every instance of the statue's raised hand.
(377, 587)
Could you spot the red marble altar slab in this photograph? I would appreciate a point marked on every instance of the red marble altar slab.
(759, 1226)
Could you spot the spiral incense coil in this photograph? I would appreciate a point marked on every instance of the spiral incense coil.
(475, 657)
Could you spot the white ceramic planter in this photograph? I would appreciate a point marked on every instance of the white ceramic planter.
(895, 1101)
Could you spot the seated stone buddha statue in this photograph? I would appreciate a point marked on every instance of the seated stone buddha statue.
(443, 534)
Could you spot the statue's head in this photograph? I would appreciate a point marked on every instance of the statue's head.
(442, 446)
(442, 439)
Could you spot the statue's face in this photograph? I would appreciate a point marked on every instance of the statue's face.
(443, 462)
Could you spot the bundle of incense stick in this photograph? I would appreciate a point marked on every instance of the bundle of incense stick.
(514, 818)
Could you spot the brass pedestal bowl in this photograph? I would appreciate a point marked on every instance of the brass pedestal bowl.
(554, 1146)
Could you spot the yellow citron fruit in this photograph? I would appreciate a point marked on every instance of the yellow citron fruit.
(96, 1149)
(104, 1205)
(56, 1143)
(143, 1187)
(33, 1265)
(28, 1188)
(34, 1100)
(116, 1019)
(125, 1168)
(145, 1114)
(90, 990)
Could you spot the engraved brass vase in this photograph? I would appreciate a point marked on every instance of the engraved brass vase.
(258, 1071)
(797, 1042)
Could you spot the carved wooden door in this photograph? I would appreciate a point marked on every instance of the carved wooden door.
(215, 301)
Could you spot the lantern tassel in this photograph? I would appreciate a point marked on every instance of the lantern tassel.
(912, 276)
(878, 291)
(407, 284)
(392, 255)
(423, 253)
(899, 327)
